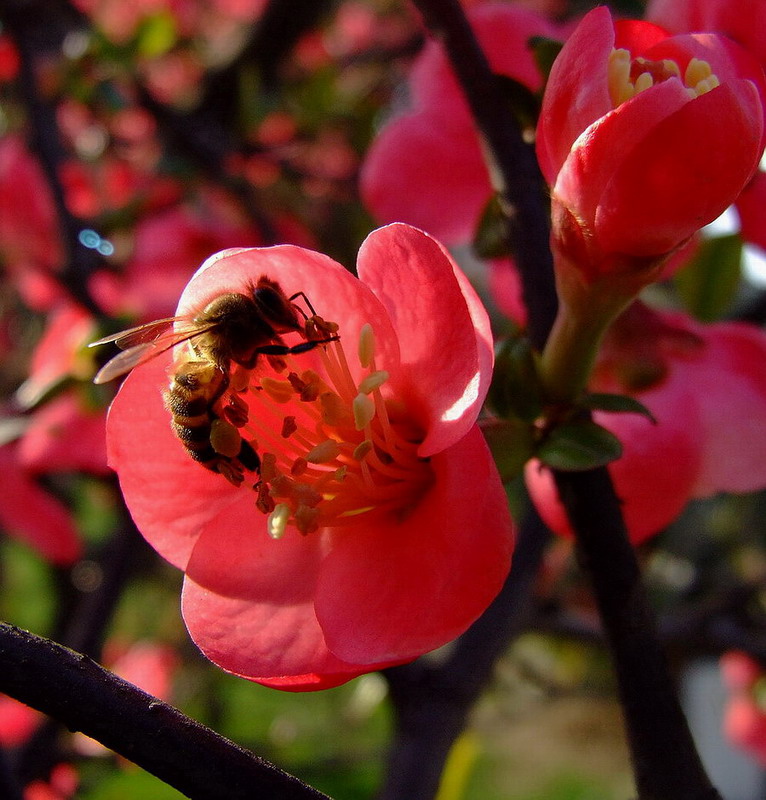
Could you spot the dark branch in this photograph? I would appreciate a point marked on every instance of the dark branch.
(23, 23)
(178, 750)
(665, 759)
(513, 163)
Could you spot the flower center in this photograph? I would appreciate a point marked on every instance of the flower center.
(629, 76)
(331, 448)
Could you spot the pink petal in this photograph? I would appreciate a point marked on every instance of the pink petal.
(743, 21)
(447, 357)
(577, 93)
(17, 722)
(248, 602)
(730, 62)
(504, 32)
(583, 183)
(427, 170)
(684, 173)
(750, 207)
(396, 589)
(425, 167)
(731, 388)
(65, 436)
(34, 516)
(637, 35)
(169, 496)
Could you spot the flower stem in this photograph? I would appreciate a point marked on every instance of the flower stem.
(569, 354)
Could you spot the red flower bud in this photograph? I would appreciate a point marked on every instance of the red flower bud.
(644, 138)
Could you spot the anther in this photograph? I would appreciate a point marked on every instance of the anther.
(373, 381)
(362, 449)
(325, 451)
(364, 411)
(289, 426)
(366, 345)
(278, 391)
(277, 521)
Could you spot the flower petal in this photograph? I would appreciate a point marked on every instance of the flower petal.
(33, 515)
(394, 590)
(577, 93)
(170, 497)
(684, 173)
(446, 364)
(416, 162)
(731, 390)
(750, 206)
(248, 602)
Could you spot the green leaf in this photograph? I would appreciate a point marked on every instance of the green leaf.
(708, 284)
(579, 446)
(515, 389)
(512, 445)
(491, 239)
(524, 103)
(157, 35)
(619, 403)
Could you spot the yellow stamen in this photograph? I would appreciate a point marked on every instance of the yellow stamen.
(366, 345)
(364, 411)
(628, 77)
(279, 391)
(373, 381)
(323, 452)
(333, 447)
(277, 521)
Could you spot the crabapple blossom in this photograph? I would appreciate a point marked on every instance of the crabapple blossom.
(643, 138)
(378, 527)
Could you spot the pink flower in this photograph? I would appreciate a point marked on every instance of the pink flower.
(406, 535)
(644, 138)
(704, 384)
(425, 167)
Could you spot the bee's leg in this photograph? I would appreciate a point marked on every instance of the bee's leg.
(303, 347)
(306, 301)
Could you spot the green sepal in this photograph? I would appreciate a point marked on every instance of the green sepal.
(492, 236)
(516, 390)
(512, 444)
(619, 403)
(544, 51)
(578, 446)
(707, 286)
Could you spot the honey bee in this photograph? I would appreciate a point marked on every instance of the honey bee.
(232, 331)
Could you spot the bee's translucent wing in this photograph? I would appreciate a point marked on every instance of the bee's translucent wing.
(139, 335)
(139, 350)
